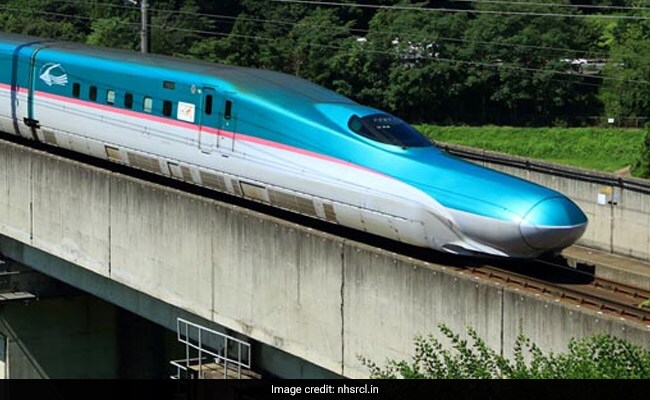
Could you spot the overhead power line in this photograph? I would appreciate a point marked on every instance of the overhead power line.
(417, 36)
(400, 34)
(498, 65)
(229, 19)
(79, 17)
(440, 59)
(331, 3)
(460, 11)
(558, 5)
(90, 4)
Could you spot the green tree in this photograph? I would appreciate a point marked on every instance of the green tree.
(626, 91)
(517, 64)
(240, 47)
(312, 43)
(266, 29)
(595, 357)
(115, 32)
(642, 167)
(426, 75)
(176, 32)
(401, 64)
(48, 19)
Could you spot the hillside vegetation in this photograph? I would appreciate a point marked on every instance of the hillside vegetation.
(500, 63)
(605, 149)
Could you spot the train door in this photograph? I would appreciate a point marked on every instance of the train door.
(208, 122)
(23, 75)
(228, 122)
(30, 119)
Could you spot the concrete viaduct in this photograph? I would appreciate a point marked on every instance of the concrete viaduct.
(164, 253)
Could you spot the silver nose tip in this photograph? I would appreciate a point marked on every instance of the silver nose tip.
(551, 237)
(553, 224)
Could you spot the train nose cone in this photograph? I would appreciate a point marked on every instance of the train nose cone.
(553, 224)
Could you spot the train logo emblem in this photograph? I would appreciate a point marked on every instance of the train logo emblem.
(53, 74)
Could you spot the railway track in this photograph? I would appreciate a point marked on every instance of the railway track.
(585, 290)
(539, 276)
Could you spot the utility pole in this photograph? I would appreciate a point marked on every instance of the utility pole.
(144, 24)
(144, 29)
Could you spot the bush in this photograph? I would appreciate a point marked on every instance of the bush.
(641, 167)
(596, 357)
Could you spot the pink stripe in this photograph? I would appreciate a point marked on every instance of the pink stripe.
(134, 114)
(8, 87)
(196, 128)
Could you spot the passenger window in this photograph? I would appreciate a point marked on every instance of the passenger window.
(228, 113)
(147, 104)
(92, 93)
(208, 104)
(167, 108)
(110, 97)
(128, 101)
(76, 90)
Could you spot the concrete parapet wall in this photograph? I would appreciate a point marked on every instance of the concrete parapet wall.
(15, 192)
(549, 323)
(317, 296)
(389, 299)
(70, 212)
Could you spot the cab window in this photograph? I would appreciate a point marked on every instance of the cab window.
(385, 128)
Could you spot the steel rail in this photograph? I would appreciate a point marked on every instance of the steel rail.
(633, 292)
(599, 294)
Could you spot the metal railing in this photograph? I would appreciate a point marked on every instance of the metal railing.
(601, 178)
(207, 350)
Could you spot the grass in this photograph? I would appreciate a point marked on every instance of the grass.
(604, 149)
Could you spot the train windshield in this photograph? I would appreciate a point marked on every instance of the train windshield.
(387, 129)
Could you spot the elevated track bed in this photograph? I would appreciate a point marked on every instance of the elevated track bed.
(325, 295)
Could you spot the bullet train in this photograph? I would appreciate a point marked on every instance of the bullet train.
(275, 139)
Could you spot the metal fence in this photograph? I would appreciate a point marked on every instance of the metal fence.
(210, 354)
